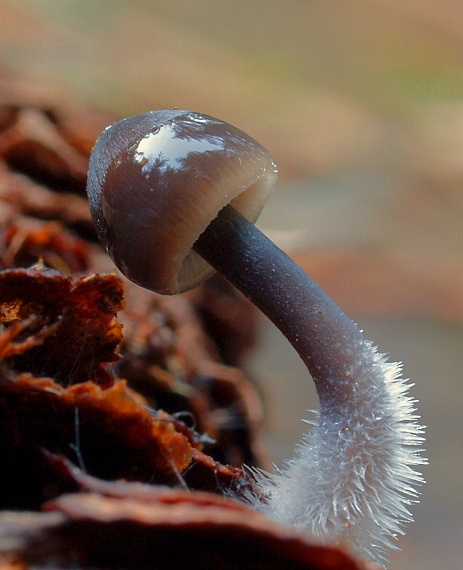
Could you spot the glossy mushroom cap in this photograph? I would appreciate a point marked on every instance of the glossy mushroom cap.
(157, 180)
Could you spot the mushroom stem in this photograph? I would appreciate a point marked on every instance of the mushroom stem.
(351, 478)
(328, 342)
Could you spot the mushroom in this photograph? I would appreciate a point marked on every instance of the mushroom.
(174, 195)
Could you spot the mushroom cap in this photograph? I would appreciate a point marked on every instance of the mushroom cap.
(157, 180)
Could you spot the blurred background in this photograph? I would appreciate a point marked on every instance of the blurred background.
(361, 105)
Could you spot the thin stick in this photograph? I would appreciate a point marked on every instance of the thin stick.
(328, 342)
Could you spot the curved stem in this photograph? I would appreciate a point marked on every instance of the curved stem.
(328, 341)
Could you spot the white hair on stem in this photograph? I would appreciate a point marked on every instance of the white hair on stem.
(352, 477)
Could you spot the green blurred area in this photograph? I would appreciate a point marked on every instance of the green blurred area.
(392, 55)
(320, 83)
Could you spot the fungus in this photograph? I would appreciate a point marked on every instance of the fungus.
(174, 194)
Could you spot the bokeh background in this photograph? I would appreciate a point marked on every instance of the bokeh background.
(361, 104)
